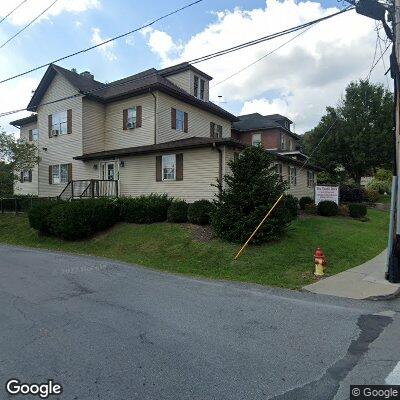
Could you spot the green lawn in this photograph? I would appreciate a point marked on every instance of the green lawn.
(171, 247)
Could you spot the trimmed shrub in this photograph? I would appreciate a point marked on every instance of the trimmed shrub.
(199, 212)
(291, 204)
(144, 209)
(38, 215)
(305, 201)
(178, 211)
(371, 195)
(357, 210)
(310, 208)
(350, 194)
(344, 210)
(80, 219)
(327, 208)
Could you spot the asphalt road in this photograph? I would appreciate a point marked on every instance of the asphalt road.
(108, 330)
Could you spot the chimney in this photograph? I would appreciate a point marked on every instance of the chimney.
(87, 74)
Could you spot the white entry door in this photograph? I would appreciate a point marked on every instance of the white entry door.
(109, 171)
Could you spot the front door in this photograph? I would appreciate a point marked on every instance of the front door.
(109, 172)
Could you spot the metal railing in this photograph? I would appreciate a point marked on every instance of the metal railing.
(89, 188)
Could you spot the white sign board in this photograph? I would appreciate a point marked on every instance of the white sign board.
(323, 193)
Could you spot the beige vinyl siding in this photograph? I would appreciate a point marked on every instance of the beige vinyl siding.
(301, 189)
(183, 80)
(200, 170)
(116, 137)
(199, 120)
(93, 122)
(60, 149)
(26, 188)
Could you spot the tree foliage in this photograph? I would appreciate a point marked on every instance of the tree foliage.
(248, 194)
(359, 132)
(19, 154)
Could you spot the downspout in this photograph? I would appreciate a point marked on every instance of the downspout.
(155, 117)
(219, 167)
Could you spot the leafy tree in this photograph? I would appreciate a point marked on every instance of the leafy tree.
(6, 180)
(19, 154)
(359, 136)
(248, 194)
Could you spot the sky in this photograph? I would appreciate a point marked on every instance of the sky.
(298, 81)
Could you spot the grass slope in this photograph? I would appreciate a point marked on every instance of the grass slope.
(170, 247)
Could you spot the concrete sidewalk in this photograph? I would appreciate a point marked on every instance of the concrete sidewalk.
(367, 281)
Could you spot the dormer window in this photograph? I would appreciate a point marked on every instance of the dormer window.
(199, 87)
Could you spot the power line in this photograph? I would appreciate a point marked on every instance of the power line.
(13, 10)
(29, 24)
(266, 38)
(102, 43)
(308, 25)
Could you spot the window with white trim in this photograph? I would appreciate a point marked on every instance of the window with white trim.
(310, 179)
(196, 86)
(199, 86)
(216, 130)
(59, 173)
(202, 88)
(256, 139)
(279, 171)
(283, 143)
(169, 167)
(131, 118)
(59, 122)
(180, 120)
(35, 134)
(26, 176)
(292, 176)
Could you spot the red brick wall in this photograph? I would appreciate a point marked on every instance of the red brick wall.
(270, 138)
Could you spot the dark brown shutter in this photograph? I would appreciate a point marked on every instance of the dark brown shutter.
(138, 116)
(50, 118)
(69, 172)
(30, 175)
(185, 122)
(173, 118)
(21, 176)
(179, 167)
(69, 121)
(158, 168)
(125, 119)
(30, 135)
(212, 129)
(50, 174)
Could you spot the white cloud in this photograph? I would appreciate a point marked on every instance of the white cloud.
(32, 8)
(105, 49)
(300, 79)
(160, 43)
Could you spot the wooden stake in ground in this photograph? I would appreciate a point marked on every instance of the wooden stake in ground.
(258, 227)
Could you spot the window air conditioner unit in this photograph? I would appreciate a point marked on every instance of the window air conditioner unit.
(130, 125)
(54, 132)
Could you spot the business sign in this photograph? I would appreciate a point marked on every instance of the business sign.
(323, 193)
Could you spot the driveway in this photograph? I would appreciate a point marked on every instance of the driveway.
(107, 330)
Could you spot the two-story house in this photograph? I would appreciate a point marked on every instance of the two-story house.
(152, 132)
(273, 133)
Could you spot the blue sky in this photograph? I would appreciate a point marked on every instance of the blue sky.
(299, 81)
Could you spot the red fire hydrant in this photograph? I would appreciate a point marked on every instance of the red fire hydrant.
(320, 262)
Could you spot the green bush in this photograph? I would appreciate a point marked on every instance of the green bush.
(80, 219)
(291, 204)
(310, 208)
(371, 195)
(327, 208)
(305, 201)
(199, 212)
(357, 210)
(38, 215)
(144, 209)
(248, 194)
(178, 211)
